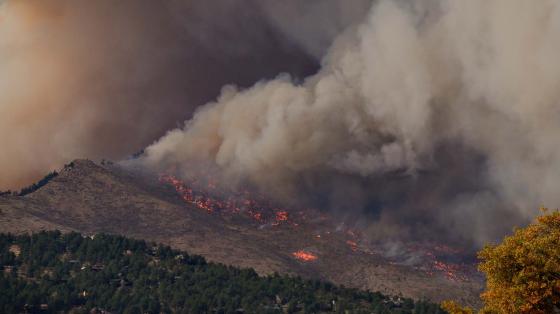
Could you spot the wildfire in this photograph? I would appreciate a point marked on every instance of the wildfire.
(282, 216)
(207, 194)
(450, 271)
(353, 245)
(209, 197)
(435, 257)
(304, 256)
(256, 216)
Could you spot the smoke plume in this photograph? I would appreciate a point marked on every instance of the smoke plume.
(104, 78)
(435, 118)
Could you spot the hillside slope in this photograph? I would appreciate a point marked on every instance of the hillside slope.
(93, 198)
(50, 272)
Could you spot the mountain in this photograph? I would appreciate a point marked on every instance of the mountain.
(94, 198)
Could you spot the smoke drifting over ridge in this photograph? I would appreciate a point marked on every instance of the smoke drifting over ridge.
(102, 79)
(439, 118)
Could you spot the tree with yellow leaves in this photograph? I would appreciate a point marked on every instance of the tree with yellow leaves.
(523, 272)
(454, 308)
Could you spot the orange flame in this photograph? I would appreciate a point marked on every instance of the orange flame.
(304, 256)
(282, 216)
(201, 196)
(353, 245)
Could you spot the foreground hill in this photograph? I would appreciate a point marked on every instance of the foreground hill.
(92, 198)
(53, 272)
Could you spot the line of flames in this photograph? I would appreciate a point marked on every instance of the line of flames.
(262, 212)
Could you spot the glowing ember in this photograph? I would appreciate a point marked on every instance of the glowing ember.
(450, 271)
(256, 216)
(282, 216)
(353, 245)
(304, 256)
(436, 261)
(210, 197)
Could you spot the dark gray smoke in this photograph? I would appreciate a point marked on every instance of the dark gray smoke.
(439, 119)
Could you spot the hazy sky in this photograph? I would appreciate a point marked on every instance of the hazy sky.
(104, 78)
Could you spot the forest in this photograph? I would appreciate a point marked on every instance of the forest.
(52, 272)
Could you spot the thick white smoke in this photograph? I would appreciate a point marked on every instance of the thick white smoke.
(443, 111)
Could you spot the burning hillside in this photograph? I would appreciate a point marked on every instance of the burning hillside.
(207, 194)
(348, 132)
(418, 116)
(195, 215)
(436, 259)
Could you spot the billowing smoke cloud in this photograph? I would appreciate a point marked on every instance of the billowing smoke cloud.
(104, 78)
(434, 117)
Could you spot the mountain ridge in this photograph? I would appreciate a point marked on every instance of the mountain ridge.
(95, 198)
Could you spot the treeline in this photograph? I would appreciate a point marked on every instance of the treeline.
(35, 186)
(32, 188)
(51, 272)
